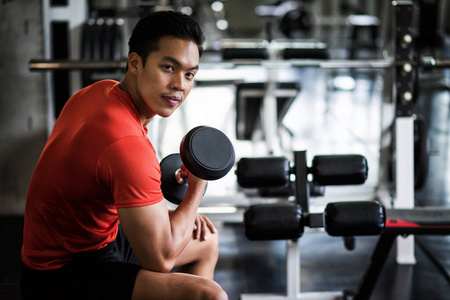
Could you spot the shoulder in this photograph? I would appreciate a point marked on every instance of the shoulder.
(131, 169)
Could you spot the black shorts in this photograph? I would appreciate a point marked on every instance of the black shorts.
(108, 273)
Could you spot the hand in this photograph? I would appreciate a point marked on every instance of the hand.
(202, 227)
(192, 180)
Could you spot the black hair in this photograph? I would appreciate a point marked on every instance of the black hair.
(150, 29)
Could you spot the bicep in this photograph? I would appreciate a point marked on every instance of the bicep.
(147, 229)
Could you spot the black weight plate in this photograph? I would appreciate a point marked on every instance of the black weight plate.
(87, 48)
(116, 42)
(207, 152)
(172, 190)
(86, 44)
(97, 41)
(106, 41)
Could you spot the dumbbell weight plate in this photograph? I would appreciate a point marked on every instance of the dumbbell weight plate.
(172, 190)
(207, 153)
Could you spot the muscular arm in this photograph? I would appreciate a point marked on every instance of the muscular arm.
(157, 237)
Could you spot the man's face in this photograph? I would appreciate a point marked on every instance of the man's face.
(167, 78)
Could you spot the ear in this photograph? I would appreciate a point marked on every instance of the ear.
(134, 60)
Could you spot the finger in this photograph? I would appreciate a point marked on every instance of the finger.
(198, 228)
(210, 224)
(204, 231)
(184, 171)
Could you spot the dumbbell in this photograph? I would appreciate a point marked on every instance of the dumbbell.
(205, 151)
(326, 170)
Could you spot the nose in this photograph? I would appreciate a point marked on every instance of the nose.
(178, 82)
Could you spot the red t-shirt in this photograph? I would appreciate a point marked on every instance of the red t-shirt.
(97, 158)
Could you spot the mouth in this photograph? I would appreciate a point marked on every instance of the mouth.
(172, 100)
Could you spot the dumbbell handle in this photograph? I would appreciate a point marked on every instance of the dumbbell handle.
(183, 180)
(180, 178)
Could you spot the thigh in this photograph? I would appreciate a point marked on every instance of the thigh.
(165, 286)
(108, 273)
(197, 250)
(36, 285)
(101, 280)
(79, 280)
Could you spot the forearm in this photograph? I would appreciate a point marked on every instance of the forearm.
(183, 217)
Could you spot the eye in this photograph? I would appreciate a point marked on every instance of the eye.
(190, 75)
(168, 67)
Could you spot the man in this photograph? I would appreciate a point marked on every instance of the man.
(98, 168)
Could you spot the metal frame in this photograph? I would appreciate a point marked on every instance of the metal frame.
(404, 122)
(293, 281)
(388, 63)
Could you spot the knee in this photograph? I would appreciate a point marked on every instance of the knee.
(211, 247)
(214, 244)
(221, 295)
(214, 292)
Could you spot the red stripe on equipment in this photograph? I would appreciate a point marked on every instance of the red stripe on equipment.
(390, 222)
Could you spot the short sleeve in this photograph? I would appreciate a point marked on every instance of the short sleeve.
(130, 169)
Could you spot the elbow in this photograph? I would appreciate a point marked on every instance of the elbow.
(161, 265)
(166, 266)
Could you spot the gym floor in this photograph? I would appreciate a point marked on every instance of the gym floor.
(355, 115)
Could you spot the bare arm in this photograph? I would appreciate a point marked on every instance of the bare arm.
(157, 237)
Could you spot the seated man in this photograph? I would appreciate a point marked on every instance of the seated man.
(99, 169)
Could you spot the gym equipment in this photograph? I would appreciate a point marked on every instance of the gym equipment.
(326, 170)
(291, 18)
(421, 150)
(354, 218)
(101, 41)
(359, 23)
(273, 173)
(421, 154)
(296, 21)
(249, 102)
(312, 51)
(205, 151)
(427, 62)
(402, 222)
(283, 221)
(286, 221)
(278, 221)
(244, 49)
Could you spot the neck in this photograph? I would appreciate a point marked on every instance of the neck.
(126, 86)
